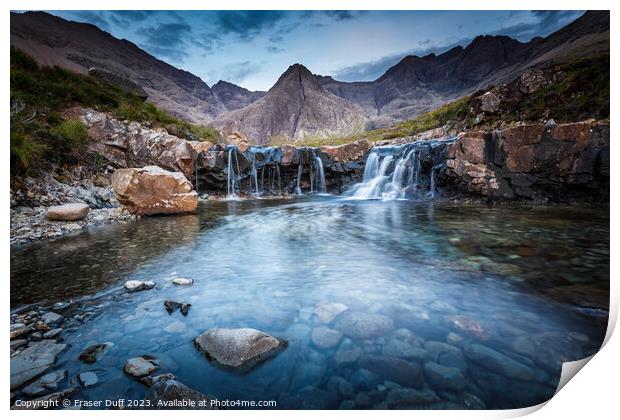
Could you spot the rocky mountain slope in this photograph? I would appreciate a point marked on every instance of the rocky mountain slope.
(295, 107)
(79, 47)
(235, 97)
(419, 84)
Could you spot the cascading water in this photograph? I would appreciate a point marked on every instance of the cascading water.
(298, 186)
(231, 190)
(320, 173)
(394, 172)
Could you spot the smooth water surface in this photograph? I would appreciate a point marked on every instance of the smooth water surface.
(501, 295)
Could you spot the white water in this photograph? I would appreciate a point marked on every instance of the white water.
(322, 188)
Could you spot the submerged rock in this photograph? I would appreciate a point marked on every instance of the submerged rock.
(153, 190)
(33, 361)
(68, 212)
(326, 338)
(363, 325)
(444, 377)
(238, 348)
(167, 394)
(94, 352)
(498, 362)
(326, 311)
(87, 379)
(407, 374)
(172, 306)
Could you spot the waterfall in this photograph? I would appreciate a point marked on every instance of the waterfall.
(320, 173)
(298, 187)
(230, 174)
(254, 174)
(397, 172)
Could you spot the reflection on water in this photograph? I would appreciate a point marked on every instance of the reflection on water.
(448, 305)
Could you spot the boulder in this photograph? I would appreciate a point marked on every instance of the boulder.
(94, 352)
(347, 152)
(238, 348)
(68, 212)
(327, 311)
(139, 366)
(169, 394)
(153, 190)
(182, 281)
(363, 325)
(325, 338)
(444, 377)
(33, 361)
(498, 362)
(138, 285)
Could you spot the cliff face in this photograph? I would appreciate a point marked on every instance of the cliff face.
(235, 97)
(295, 107)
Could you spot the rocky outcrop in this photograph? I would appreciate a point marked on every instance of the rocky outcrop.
(296, 107)
(33, 361)
(130, 144)
(169, 394)
(553, 162)
(68, 212)
(235, 97)
(240, 348)
(152, 190)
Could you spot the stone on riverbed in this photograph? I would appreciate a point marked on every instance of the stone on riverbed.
(94, 352)
(33, 361)
(88, 379)
(407, 374)
(238, 348)
(182, 281)
(138, 285)
(326, 311)
(68, 212)
(167, 394)
(139, 366)
(52, 318)
(363, 325)
(153, 190)
(444, 377)
(325, 338)
(498, 362)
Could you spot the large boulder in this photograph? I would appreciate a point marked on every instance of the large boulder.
(153, 190)
(238, 348)
(33, 361)
(130, 144)
(169, 394)
(68, 212)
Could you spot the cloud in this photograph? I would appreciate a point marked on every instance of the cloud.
(167, 40)
(127, 17)
(245, 24)
(275, 50)
(338, 15)
(237, 72)
(545, 22)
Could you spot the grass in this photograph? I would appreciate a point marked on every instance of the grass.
(38, 96)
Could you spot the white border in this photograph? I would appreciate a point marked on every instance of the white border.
(592, 394)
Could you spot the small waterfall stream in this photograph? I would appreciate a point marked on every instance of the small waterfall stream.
(396, 172)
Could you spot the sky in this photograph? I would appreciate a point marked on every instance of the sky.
(253, 48)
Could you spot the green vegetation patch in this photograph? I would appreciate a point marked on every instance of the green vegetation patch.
(38, 96)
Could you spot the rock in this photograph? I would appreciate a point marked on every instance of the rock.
(346, 405)
(94, 352)
(138, 285)
(238, 348)
(68, 212)
(150, 380)
(172, 306)
(33, 361)
(325, 338)
(52, 333)
(446, 355)
(531, 81)
(182, 281)
(51, 400)
(45, 384)
(444, 377)
(153, 190)
(364, 379)
(341, 386)
(18, 332)
(498, 362)
(363, 325)
(52, 318)
(490, 102)
(404, 350)
(410, 398)
(15, 344)
(326, 311)
(549, 349)
(349, 152)
(139, 366)
(88, 379)
(170, 394)
(407, 374)
(347, 357)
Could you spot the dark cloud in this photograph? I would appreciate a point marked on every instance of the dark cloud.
(167, 40)
(237, 72)
(245, 24)
(335, 14)
(275, 50)
(547, 21)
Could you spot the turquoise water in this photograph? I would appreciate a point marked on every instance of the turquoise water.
(500, 295)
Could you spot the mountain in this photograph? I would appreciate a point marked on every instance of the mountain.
(235, 97)
(419, 84)
(79, 46)
(295, 107)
